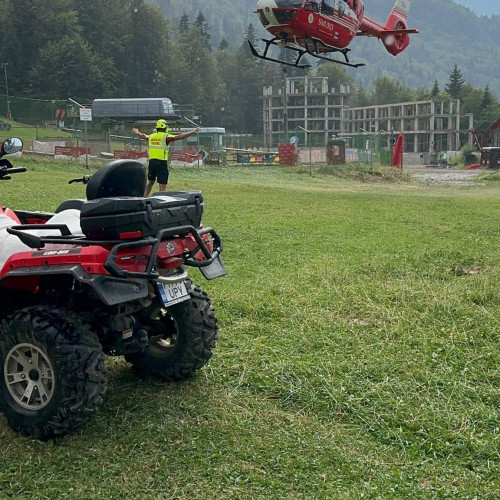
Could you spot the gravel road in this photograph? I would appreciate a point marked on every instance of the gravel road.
(445, 176)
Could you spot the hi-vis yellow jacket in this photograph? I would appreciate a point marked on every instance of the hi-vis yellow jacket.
(159, 145)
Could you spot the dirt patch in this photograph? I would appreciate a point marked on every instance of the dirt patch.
(445, 176)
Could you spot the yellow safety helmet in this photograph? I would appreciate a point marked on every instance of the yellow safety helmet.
(161, 124)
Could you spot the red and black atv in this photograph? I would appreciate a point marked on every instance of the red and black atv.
(106, 275)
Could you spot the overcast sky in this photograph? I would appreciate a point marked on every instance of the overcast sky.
(482, 7)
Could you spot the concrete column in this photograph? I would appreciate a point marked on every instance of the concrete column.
(415, 135)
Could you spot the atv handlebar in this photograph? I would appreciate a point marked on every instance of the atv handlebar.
(84, 180)
(6, 171)
(15, 170)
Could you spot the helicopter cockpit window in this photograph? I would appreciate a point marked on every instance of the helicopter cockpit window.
(289, 3)
(312, 5)
(327, 7)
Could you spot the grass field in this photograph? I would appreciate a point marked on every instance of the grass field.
(29, 133)
(358, 354)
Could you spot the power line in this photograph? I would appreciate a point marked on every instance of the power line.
(54, 101)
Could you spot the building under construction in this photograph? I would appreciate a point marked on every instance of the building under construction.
(304, 105)
(309, 106)
(431, 125)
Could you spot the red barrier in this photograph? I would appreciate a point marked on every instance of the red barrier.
(70, 151)
(183, 157)
(129, 155)
(287, 153)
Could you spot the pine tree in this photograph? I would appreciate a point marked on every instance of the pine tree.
(149, 36)
(244, 91)
(487, 98)
(251, 33)
(184, 23)
(489, 109)
(435, 90)
(224, 44)
(455, 86)
(201, 25)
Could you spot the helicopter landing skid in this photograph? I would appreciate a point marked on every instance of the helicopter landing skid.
(314, 51)
(275, 41)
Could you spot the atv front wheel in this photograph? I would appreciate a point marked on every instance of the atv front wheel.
(181, 338)
(53, 372)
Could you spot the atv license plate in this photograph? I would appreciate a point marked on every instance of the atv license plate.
(173, 293)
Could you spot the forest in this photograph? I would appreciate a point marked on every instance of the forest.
(129, 48)
(449, 34)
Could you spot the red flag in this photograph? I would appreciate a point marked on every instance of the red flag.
(397, 153)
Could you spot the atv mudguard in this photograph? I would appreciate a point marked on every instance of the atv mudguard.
(110, 290)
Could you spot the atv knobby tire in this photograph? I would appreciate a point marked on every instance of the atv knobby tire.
(52, 376)
(181, 338)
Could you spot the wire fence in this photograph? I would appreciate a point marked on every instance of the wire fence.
(32, 111)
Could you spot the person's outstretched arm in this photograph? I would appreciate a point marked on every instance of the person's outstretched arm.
(184, 135)
(142, 136)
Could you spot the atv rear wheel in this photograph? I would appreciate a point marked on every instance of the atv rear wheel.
(53, 372)
(181, 338)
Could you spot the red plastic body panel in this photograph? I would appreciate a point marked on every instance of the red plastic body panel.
(92, 259)
(337, 29)
(336, 32)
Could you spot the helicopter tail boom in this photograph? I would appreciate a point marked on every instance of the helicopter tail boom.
(395, 33)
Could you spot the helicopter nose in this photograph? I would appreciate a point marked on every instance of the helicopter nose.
(265, 8)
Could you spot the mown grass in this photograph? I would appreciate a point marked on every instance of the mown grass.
(358, 353)
(29, 133)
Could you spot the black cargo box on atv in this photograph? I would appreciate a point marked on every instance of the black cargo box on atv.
(122, 218)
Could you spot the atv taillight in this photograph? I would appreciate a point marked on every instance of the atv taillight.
(131, 235)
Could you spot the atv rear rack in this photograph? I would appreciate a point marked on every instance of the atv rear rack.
(211, 267)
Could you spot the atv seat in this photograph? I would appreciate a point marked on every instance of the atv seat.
(118, 178)
(70, 204)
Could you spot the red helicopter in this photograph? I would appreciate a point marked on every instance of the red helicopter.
(319, 27)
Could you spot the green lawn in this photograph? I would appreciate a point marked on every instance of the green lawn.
(358, 353)
(29, 133)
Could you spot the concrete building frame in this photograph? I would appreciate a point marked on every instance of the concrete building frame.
(304, 103)
(430, 125)
(311, 103)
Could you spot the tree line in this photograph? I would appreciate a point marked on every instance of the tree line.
(126, 48)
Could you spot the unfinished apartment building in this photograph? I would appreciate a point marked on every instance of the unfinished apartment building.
(432, 125)
(304, 103)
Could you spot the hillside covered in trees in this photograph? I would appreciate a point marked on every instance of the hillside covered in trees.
(449, 34)
(482, 7)
(57, 49)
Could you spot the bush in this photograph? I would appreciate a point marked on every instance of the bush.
(468, 154)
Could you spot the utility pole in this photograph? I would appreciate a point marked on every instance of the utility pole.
(197, 140)
(308, 132)
(85, 117)
(285, 105)
(7, 90)
(372, 146)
